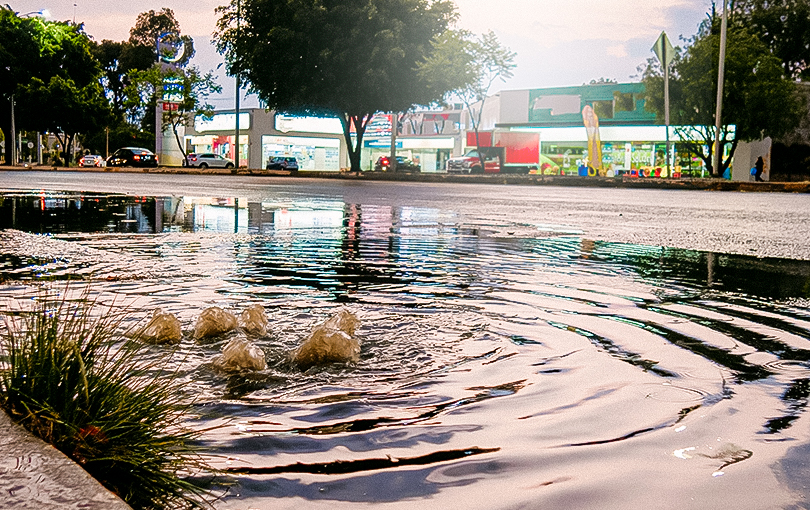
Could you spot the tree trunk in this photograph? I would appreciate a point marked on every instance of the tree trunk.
(63, 142)
(5, 127)
(69, 149)
(354, 149)
(476, 123)
(182, 148)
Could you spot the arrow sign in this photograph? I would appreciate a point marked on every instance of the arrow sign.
(663, 50)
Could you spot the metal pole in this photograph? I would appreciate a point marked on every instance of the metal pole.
(718, 148)
(666, 103)
(238, 86)
(158, 109)
(11, 143)
(392, 163)
(39, 148)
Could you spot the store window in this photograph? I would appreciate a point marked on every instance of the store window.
(312, 153)
(562, 158)
(623, 102)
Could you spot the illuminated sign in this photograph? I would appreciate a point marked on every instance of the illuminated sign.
(221, 122)
(300, 141)
(172, 90)
(327, 125)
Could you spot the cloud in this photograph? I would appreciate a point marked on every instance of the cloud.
(555, 22)
(617, 50)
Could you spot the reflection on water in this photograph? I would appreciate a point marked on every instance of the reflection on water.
(496, 372)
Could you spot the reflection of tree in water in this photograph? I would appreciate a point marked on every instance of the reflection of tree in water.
(55, 214)
(796, 399)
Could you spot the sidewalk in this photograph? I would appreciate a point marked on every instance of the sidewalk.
(36, 476)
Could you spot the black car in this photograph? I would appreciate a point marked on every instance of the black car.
(133, 156)
(403, 164)
(283, 163)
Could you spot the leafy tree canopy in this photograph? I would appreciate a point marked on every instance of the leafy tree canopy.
(192, 100)
(118, 60)
(758, 99)
(784, 26)
(348, 58)
(34, 52)
(464, 67)
(63, 108)
(150, 25)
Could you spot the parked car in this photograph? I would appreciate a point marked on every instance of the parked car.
(403, 164)
(283, 163)
(208, 160)
(92, 160)
(133, 156)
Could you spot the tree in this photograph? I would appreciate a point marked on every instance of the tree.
(465, 67)
(63, 108)
(118, 60)
(19, 51)
(191, 100)
(39, 58)
(758, 100)
(343, 58)
(151, 25)
(784, 26)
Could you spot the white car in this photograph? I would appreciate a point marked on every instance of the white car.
(92, 160)
(208, 160)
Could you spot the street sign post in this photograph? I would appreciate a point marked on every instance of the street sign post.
(666, 53)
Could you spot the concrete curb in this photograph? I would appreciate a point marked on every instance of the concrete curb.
(34, 476)
(509, 179)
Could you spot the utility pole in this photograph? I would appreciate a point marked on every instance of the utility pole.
(718, 147)
(158, 107)
(392, 162)
(238, 86)
(11, 143)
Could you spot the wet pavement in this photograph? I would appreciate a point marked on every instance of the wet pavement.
(758, 224)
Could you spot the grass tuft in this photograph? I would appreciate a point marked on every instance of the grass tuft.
(69, 377)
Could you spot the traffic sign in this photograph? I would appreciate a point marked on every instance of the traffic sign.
(663, 50)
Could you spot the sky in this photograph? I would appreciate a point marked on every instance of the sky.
(557, 42)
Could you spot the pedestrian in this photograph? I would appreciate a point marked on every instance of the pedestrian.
(760, 166)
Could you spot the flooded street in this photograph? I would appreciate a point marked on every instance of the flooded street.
(522, 346)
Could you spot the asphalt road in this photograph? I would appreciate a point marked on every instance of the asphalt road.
(759, 224)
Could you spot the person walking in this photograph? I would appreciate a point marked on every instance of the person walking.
(760, 166)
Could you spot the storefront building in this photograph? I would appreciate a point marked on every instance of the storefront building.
(316, 143)
(622, 136)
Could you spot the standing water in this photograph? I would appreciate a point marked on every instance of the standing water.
(511, 358)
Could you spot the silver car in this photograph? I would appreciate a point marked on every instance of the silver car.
(208, 160)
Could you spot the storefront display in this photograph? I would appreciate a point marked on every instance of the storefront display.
(311, 153)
